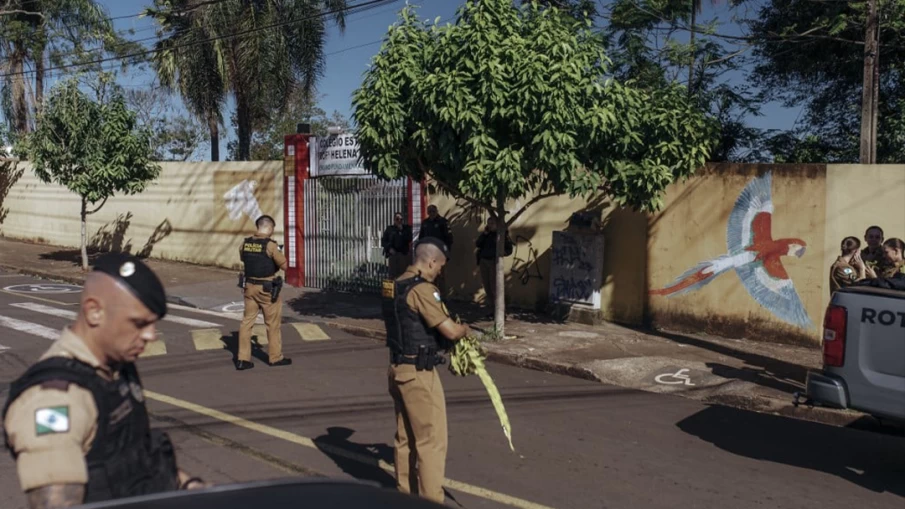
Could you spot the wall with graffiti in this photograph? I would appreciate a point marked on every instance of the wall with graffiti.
(195, 212)
(739, 250)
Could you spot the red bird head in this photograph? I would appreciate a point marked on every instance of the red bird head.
(794, 247)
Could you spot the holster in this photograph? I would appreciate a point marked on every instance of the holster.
(275, 288)
(428, 358)
(241, 280)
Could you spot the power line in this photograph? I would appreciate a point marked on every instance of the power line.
(353, 10)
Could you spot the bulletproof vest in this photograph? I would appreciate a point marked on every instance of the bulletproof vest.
(406, 330)
(257, 262)
(127, 458)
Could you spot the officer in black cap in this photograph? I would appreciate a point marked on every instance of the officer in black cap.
(76, 421)
(418, 328)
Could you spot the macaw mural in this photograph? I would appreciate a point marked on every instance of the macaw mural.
(754, 255)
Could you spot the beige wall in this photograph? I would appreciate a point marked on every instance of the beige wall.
(182, 216)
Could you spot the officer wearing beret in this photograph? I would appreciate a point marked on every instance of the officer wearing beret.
(262, 260)
(418, 328)
(76, 421)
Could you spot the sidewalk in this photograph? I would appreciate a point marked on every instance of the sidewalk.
(742, 373)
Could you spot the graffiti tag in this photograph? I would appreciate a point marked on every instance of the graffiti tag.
(525, 269)
(241, 199)
(576, 267)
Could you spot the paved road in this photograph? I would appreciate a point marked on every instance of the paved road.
(578, 444)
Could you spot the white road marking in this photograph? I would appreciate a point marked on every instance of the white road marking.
(64, 313)
(679, 376)
(219, 314)
(30, 328)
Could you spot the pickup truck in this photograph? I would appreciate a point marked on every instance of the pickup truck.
(863, 353)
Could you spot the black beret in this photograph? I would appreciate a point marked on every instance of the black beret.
(137, 277)
(436, 242)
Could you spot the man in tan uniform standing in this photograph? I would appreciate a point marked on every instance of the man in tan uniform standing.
(418, 328)
(76, 421)
(262, 260)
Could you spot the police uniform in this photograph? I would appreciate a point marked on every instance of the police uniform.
(874, 255)
(71, 420)
(412, 311)
(889, 270)
(842, 274)
(262, 260)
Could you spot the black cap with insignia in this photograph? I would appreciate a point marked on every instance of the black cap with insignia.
(137, 277)
(435, 242)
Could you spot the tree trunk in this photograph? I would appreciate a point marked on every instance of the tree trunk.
(39, 68)
(499, 311)
(875, 100)
(20, 103)
(243, 119)
(868, 140)
(691, 37)
(214, 129)
(84, 234)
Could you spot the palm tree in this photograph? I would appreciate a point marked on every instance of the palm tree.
(34, 32)
(260, 49)
(186, 61)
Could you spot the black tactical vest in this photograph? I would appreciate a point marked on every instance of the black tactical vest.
(127, 458)
(406, 330)
(258, 264)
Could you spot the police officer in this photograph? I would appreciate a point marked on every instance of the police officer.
(76, 421)
(418, 327)
(437, 226)
(262, 260)
(849, 268)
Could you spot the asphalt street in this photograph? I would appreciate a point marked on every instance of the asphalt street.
(578, 444)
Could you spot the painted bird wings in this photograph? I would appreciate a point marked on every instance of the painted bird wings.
(771, 287)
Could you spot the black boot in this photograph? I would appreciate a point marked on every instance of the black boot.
(285, 361)
(243, 365)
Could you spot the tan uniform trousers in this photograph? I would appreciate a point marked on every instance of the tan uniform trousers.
(257, 299)
(421, 434)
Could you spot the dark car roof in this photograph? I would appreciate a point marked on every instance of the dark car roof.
(276, 494)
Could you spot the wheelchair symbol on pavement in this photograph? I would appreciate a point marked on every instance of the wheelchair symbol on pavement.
(233, 307)
(44, 288)
(678, 377)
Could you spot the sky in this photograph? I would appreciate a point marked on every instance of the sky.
(349, 53)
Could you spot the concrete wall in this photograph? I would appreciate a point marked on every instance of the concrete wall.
(183, 216)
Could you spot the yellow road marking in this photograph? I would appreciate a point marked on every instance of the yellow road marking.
(310, 332)
(154, 348)
(44, 299)
(208, 339)
(470, 489)
(261, 332)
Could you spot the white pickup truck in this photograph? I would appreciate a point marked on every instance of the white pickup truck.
(863, 353)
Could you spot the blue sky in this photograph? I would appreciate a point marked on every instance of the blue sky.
(348, 54)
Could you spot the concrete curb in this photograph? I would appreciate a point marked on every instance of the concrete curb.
(44, 274)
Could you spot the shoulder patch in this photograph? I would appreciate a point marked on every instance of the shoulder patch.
(437, 297)
(847, 271)
(52, 420)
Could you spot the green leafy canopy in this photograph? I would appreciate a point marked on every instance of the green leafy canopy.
(513, 100)
(92, 147)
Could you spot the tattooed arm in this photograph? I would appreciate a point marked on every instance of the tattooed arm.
(56, 496)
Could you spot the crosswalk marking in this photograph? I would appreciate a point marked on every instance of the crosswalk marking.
(31, 328)
(153, 348)
(65, 313)
(260, 331)
(310, 332)
(208, 339)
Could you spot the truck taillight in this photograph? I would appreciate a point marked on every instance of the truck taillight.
(834, 324)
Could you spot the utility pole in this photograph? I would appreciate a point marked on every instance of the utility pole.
(870, 93)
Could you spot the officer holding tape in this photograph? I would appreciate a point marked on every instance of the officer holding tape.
(262, 260)
(76, 421)
(418, 328)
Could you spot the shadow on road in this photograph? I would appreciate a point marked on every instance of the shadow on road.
(337, 439)
(870, 460)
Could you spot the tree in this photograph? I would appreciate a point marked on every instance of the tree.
(812, 54)
(186, 62)
(174, 137)
(513, 102)
(92, 146)
(646, 42)
(34, 33)
(267, 143)
(281, 47)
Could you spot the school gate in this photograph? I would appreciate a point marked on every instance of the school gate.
(335, 214)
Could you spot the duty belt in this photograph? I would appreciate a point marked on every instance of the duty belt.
(426, 359)
(258, 281)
